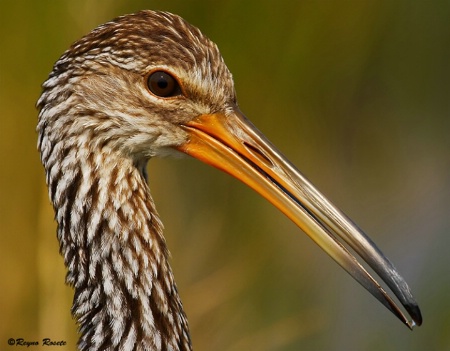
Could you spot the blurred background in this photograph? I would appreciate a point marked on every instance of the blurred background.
(355, 93)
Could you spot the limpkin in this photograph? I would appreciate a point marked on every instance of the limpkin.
(141, 86)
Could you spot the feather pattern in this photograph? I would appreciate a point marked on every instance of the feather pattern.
(95, 153)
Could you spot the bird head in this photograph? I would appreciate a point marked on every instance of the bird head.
(150, 84)
(135, 81)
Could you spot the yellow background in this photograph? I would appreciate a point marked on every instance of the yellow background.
(355, 93)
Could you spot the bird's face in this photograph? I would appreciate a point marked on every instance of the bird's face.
(150, 84)
(135, 81)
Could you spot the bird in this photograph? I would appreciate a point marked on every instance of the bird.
(147, 85)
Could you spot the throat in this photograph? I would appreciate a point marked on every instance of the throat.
(111, 240)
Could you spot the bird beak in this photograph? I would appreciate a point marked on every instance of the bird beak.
(232, 144)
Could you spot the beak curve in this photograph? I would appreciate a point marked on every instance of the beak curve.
(232, 144)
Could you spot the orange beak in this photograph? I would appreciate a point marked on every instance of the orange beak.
(232, 144)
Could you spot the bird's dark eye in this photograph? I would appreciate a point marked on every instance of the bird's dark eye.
(162, 84)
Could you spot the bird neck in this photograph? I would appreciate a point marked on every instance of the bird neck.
(117, 259)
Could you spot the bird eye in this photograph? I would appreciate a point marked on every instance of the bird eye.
(162, 84)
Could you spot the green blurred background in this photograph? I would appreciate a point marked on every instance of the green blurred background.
(355, 93)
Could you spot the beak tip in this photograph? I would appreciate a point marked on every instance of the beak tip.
(416, 315)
